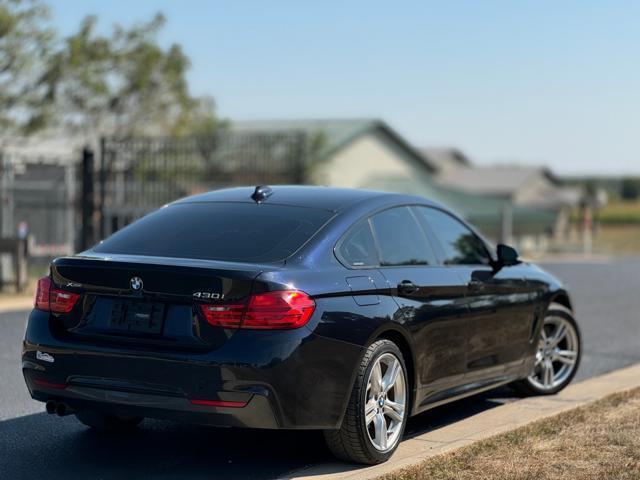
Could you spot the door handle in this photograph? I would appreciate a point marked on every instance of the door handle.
(407, 287)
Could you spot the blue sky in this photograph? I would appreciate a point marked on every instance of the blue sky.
(538, 82)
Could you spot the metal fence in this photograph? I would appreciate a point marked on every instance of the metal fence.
(37, 210)
(134, 176)
(67, 201)
(38, 201)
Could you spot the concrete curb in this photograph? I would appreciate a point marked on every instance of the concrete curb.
(480, 426)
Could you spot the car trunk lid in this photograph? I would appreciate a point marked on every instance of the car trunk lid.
(144, 301)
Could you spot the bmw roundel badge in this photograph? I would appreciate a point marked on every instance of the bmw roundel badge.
(136, 284)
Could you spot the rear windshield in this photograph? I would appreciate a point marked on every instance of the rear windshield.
(233, 232)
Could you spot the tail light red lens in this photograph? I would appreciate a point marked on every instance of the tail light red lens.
(52, 299)
(267, 311)
(284, 309)
(228, 316)
(42, 294)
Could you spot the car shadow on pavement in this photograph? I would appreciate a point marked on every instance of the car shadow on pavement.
(45, 446)
(452, 412)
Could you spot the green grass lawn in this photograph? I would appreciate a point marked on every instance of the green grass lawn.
(620, 213)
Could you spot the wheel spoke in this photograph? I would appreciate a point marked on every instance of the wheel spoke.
(567, 357)
(370, 411)
(558, 335)
(548, 373)
(391, 429)
(394, 410)
(376, 379)
(390, 376)
(543, 335)
(380, 424)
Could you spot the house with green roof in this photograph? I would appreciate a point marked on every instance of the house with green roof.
(350, 152)
(368, 153)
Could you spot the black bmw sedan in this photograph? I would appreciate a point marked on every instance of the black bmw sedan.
(294, 308)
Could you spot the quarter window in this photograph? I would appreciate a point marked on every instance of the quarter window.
(460, 245)
(358, 249)
(401, 239)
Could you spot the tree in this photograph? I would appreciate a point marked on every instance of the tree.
(25, 43)
(199, 120)
(124, 84)
(630, 189)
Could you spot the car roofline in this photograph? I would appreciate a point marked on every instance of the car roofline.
(349, 203)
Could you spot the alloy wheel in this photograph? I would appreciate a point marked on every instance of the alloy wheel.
(385, 407)
(557, 355)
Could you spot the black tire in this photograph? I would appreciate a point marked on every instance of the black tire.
(351, 442)
(525, 387)
(107, 422)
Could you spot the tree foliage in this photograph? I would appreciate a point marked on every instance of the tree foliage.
(25, 45)
(123, 83)
(630, 189)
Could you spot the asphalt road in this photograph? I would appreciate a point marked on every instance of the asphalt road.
(36, 445)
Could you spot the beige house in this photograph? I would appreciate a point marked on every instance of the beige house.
(523, 185)
(353, 153)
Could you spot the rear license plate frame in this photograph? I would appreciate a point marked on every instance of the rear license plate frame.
(137, 317)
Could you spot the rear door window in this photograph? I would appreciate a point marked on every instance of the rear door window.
(401, 239)
(233, 232)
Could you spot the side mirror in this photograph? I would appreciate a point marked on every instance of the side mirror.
(507, 255)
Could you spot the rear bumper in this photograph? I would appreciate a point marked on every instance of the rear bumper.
(280, 379)
(256, 413)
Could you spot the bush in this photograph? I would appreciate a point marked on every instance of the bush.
(630, 189)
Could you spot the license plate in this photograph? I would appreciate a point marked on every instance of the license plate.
(136, 316)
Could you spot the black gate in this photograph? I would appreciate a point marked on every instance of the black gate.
(135, 176)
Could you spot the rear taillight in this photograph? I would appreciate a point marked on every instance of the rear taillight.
(53, 299)
(223, 315)
(271, 310)
(285, 309)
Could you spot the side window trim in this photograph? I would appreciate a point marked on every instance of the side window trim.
(375, 241)
(428, 231)
(432, 241)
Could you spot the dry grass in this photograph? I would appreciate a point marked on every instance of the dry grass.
(618, 239)
(619, 231)
(599, 441)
